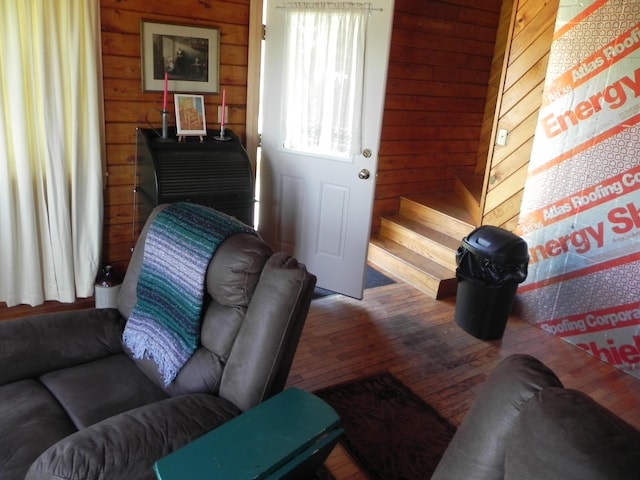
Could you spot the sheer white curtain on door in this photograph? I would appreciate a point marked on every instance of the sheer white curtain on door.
(324, 64)
(50, 150)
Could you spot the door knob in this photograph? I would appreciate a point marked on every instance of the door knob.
(364, 174)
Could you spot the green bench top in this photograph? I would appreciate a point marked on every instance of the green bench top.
(267, 441)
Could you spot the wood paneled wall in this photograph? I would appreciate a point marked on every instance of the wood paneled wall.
(442, 70)
(128, 107)
(441, 54)
(527, 58)
(494, 90)
(440, 67)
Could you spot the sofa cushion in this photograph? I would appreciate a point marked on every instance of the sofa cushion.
(96, 390)
(232, 278)
(235, 269)
(30, 420)
(126, 446)
(563, 433)
(96, 334)
(201, 374)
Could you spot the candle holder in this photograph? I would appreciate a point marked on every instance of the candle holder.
(222, 137)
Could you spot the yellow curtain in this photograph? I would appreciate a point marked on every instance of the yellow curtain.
(51, 146)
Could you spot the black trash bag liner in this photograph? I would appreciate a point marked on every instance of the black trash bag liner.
(482, 270)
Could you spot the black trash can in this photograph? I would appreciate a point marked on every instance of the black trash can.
(491, 262)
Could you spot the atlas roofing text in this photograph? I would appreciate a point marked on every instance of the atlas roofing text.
(609, 53)
(623, 184)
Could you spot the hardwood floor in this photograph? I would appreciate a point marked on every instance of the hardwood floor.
(7, 313)
(399, 329)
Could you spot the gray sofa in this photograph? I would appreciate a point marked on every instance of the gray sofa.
(525, 426)
(75, 404)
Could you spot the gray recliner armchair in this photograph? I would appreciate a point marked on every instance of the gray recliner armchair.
(525, 425)
(75, 403)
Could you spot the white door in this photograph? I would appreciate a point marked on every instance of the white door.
(318, 206)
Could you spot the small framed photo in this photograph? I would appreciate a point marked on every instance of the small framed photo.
(189, 56)
(190, 115)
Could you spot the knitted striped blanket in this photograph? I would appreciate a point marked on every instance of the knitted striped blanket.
(166, 320)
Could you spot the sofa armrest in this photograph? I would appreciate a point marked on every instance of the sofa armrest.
(564, 433)
(477, 450)
(31, 346)
(127, 445)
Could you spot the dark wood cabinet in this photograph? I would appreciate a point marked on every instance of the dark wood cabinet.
(213, 173)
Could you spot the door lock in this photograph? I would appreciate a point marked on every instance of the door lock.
(366, 153)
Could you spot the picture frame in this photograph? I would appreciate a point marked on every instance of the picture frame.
(189, 55)
(190, 115)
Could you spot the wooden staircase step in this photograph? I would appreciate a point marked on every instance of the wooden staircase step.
(418, 244)
(424, 274)
(442, 211)
(422, 239)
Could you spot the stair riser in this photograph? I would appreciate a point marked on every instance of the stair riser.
(434, 219)
(419, 244)
(422, 281)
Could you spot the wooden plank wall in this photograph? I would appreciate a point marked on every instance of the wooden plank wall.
(494, 91)
(441, 54)
(441, 59)
(518, 112)
(127, 106)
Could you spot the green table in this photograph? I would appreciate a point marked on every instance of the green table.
(288, 436)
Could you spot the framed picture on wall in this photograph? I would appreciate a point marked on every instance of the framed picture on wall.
(189, 56)
(190, 115)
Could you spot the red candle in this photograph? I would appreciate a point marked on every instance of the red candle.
(164, 99)
(224, 104)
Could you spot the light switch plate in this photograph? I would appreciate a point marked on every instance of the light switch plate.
(501, 137)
